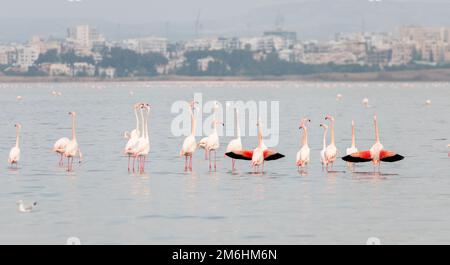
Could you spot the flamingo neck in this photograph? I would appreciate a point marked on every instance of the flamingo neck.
(137, 119)
(305, 136)
(193, 123)
(260, 137)
(142, 123)
(74, 136)
(332, 132)
(238, 127)
(17, 137)
(353, 136)
(146, 125)
(377, 135)
(325, 138)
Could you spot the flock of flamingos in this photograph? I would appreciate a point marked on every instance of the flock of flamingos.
(138, 145)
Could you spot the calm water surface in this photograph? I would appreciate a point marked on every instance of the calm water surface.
(409, 203)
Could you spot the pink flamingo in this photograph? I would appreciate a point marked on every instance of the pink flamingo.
(258, 155)
(189, 143)
(376, 153)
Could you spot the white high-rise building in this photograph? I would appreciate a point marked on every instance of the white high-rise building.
(27, 55)
(146, 45)
(83, 38)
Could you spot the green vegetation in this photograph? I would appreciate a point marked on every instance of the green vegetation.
(242, 63)
(130, 63)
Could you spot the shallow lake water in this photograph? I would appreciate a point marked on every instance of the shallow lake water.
(100, 202)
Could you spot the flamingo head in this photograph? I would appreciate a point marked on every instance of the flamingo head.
(18, 125)
(374, 117)
(216, 122)
(303, 123)
(73, 113)
(147, 106)
(259, 122)
(192, 104)
(324, 126)
(353, 123)
(329, 117)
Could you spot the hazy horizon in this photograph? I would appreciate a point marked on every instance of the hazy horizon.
(176, 19)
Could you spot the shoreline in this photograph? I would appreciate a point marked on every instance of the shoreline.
(433, 75)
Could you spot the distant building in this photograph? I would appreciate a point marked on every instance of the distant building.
(83, 69)
(203, 64)
(402, 53)
(146, 45)
(83, 38)
(109, 72)
(26, 56)
(378, 57)
(290, 37)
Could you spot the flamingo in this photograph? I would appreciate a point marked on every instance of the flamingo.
(235, 144)
(133, 137)
(213, 143)
(189, 143)
(202, 144)
(304, 153)
(72, 148)
(376, 153)
(59, 148)
(258, 155)
(144, 147)
(204, 141)
(323, 159)
(331, 150)
(365, 102)
(14, 154)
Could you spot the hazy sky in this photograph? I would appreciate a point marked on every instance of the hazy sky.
(136, 11)
(130, 10)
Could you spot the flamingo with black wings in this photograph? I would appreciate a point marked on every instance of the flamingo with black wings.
(376, 153)
(258, 155)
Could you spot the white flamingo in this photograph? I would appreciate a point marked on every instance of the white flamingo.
(204, 141)
(331, 150)
(59, 148)
(133, 137)
(144, 148)
(323, 159)
(72, 148)
(303, 155)
(202, 144)
(189, 143)
(235, 144)
(213, 143)
(14, 154)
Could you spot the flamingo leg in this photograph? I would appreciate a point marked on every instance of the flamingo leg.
(190, 162)
(215, 160)
(209, 158)
(186, 163)
(129, 158)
